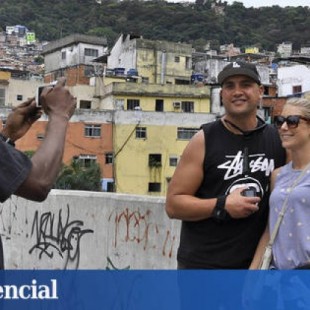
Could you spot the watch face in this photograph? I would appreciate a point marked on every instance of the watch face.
(220, 214)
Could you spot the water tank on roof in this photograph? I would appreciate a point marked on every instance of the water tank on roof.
(119, 71)
(132, 72)
(197, 77)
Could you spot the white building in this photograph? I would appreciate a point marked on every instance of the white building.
(293, 80)
(285, 49)
(72, 51)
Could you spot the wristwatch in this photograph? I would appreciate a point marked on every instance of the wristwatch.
(219, 213)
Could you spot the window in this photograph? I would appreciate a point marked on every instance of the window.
(181, 82)
(40, 136)
(91, 52)
(2, 96)
(173, 161)
(297, 89)
(186, 133)
(141, 133)
(159, 105)
(92, 130)
(63, 55)
(188, 63)
(19, 97)
(85, 104)
(188, 106)
(110, 187)
(154, 187)
(132, 103)
(177, 59)
(154, 160)
(109, 158)
(87, 160)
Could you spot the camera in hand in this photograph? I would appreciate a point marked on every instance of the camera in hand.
(249, 192)
(39, 92)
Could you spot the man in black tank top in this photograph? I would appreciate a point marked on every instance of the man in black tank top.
(220, 188)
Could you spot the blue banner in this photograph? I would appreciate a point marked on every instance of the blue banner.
(154, 290)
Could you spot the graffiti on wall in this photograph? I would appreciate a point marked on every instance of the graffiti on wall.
(135, 226)
(57, 234)
(111, 266)
(8, 216)
(169, 244)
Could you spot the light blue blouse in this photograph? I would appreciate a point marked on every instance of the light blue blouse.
(292, 244)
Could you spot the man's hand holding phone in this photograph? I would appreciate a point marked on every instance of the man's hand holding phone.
(56, 100)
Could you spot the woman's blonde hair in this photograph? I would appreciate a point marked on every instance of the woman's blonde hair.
(302, 103)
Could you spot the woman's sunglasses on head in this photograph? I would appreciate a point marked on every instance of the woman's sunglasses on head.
(292, 121)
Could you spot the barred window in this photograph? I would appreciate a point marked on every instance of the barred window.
(109, 158)
(186, 133)
(188, 106)
(87, 160)
(141, 133)
(154, 160)
(132, 104)
(91, 52)
(92, 130)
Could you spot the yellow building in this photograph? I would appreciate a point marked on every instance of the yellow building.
(156, 62)
(252, 50)
(155, 97)
(156, 111)
(147, 148)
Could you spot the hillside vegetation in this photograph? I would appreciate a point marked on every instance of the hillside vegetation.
(194, 23)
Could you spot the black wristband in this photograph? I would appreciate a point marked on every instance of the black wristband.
(6, 140)
(219, 213)
(220, 203)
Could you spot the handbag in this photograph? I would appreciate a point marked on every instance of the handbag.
(267, 257)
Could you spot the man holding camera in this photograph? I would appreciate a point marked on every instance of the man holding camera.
(222, 203)
(33, 178)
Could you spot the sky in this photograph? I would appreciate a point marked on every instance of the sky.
(283, 3)
(259, 3)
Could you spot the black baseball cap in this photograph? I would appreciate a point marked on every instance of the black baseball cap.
(239, 68)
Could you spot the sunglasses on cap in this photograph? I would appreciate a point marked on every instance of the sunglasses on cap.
(292, 121)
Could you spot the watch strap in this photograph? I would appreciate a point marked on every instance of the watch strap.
(219, 213)
(220, 203)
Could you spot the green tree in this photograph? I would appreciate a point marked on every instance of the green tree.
(77, 177)
(29, 153)
(160, 20)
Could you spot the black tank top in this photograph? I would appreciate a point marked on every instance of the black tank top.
(231, 245)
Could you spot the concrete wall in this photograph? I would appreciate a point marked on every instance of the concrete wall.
(87, 230)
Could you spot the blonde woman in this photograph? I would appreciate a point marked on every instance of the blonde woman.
(291, 247)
